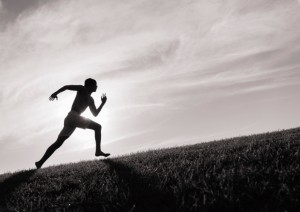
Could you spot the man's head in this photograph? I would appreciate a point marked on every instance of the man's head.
(90, 84)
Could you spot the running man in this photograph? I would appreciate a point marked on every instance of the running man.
(82, 100)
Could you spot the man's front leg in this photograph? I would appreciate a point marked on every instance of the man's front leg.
(98, 144)
(97, 128)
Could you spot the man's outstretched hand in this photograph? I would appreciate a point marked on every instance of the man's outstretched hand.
(103, 98)
(53, 96)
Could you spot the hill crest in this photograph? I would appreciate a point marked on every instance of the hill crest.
(257, 172)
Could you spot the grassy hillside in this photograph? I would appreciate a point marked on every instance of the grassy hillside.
(251, 173)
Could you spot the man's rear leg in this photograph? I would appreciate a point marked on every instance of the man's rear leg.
(60, 140)
(97, 128)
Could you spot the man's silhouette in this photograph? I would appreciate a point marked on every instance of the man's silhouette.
(82, 100)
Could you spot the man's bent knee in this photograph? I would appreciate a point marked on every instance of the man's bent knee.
(98, 127)
(95, 126)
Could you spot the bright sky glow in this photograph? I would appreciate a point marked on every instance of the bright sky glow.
(175, 73)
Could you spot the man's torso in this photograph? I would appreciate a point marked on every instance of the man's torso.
(81, 102)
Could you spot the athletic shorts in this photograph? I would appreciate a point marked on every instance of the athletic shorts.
(72, 121)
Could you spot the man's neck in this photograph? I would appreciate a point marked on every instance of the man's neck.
(89, 92)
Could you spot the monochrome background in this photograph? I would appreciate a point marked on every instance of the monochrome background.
(175, 73)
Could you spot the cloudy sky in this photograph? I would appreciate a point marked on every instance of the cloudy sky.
(175, 73)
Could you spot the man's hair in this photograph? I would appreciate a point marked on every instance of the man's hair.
(89, 82)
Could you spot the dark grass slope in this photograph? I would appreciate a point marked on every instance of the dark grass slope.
(251, 173)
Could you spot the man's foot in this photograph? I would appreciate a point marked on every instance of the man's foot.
(100, 153)
(38, 165)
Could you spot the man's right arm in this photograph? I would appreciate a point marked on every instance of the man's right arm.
(66, 87)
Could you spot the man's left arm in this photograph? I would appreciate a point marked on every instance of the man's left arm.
(95, 111)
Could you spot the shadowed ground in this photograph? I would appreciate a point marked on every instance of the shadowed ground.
(144, 191)
(9, 186)
(251, 173)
